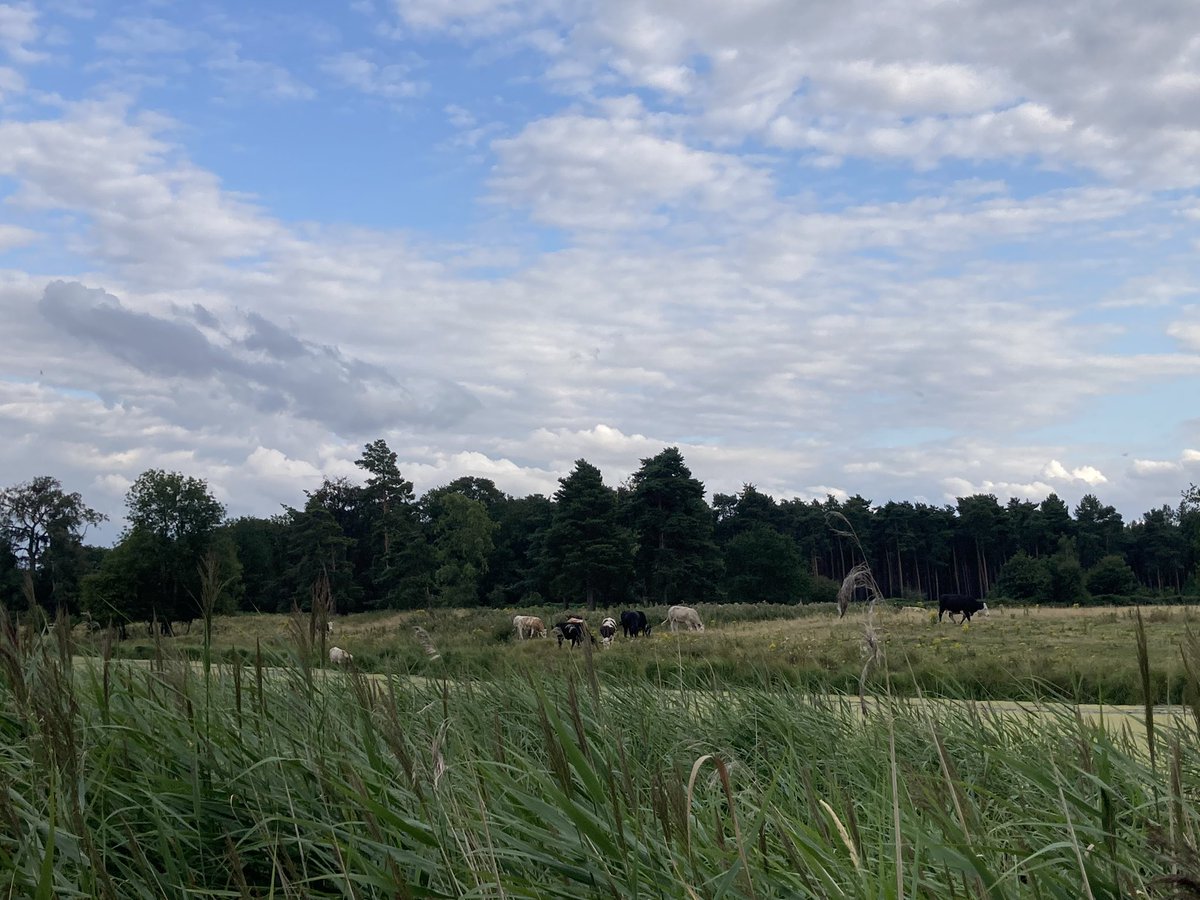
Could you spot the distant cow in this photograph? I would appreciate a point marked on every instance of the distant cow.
(684, 615)
(329, 627)
(607, 629)
(912, 609)
(338, 656)
(574, 630)
(634, 622)
(529, 626)
(961, 604)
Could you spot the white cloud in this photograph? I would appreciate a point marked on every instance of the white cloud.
(1089, 475)
(257, 76)
(14, 236)
(470, 18)
(11, 83)
(588, 172)
(146, 210)
(19, 28)
(1154, 466)
(392, 82)
(145, 36)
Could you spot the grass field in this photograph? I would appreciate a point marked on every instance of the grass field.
(1084, 655)
(730, 763)
(560, 779)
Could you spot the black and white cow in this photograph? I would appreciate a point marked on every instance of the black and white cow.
(962, 604)
(608, 628)
(634, 622)
(574, 630)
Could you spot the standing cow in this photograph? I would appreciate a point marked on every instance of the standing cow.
(529, 626)
(608, 628)
(962, 604)
(574, 630)
(634, 622)
(686, 616)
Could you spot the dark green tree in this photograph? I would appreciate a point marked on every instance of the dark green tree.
(1111, 576)
(1056, 523)
(981, 523)
(182, 516)
(462, 544)
(586, 553)
(398, 562)
(1189, 530)
(1066, 575)
(128, 587)
(261, 546)
(43, 526)
(1024, 578)
(763, 566)
(1158, 550)
(515, 574)
(677, 559)
(318, 550)
(1099, 530)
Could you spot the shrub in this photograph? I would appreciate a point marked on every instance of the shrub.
(1024, 578)
(1111, 575)
(822, 590)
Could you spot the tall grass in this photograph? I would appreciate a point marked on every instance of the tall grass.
(120, 779)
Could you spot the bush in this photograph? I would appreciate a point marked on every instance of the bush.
(1024, 578)
(822, 590)
(1111, 575)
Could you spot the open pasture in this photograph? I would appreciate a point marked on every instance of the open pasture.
(173, 779)
(1084, 655)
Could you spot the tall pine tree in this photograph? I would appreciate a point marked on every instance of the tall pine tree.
(586, 551)
(677, 559)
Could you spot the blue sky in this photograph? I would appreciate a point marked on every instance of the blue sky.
(911, 251)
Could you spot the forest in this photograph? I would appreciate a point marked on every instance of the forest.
(653, 539)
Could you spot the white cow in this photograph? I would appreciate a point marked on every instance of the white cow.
(684, 615)
(529, 626)
(329, 627)
(339, 657)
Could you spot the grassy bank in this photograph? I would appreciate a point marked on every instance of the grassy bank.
(157, 781)
(1085, 655)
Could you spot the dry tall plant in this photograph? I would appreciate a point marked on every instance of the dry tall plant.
(426, 642)
(859, 577)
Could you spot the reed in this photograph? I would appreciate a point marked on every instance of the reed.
(128, 780)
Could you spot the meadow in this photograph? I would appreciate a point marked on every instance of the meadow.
(251, 770)
(1085, 655)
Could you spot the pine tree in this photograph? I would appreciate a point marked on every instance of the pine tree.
(677, 559)
(586, 551)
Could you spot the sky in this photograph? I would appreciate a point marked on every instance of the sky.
(908, 250)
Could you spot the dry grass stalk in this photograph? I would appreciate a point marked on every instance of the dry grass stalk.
(426, 642)
(860, 578)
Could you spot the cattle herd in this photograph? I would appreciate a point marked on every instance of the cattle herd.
(633, 623)
(574, 630)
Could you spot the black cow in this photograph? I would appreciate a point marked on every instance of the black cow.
(961, 604)
(634, 622)
(573, 630)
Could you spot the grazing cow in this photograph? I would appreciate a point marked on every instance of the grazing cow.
(529, 626)
(574, 630)
(634, 622)
(961, 604)
(684, 615)
(338, 656)
(912, 609)
(607, 629)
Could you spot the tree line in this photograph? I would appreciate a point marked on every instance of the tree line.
(652, 540)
